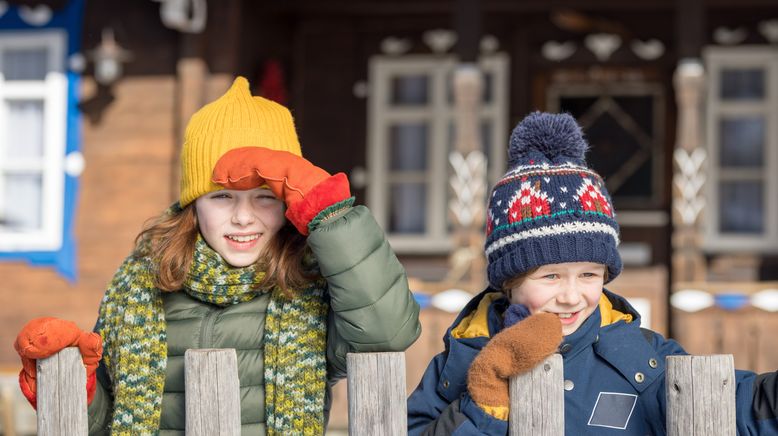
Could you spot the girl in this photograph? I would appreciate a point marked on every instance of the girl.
(263, 253)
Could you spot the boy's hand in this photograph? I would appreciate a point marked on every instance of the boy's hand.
(305, 188)
(44, 337)
(513, 351)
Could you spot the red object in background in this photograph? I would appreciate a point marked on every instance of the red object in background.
(272, 85)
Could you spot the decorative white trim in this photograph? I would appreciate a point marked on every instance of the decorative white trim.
(554, 230)
(392, 45)
(439, 40)
(769, 29)
(726, 36)
(648, 50)
(558, 51)
(602, 45)
(53, 93)
(36, 16)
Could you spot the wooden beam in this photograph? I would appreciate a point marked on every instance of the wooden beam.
(212, 392)
(700, 395)
(467, 25)
(376, 394)
(538, 400)
(690, 28)
(62, 394)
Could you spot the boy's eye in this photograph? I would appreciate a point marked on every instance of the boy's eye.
(551, 276)
(220, 195)
(590, 274)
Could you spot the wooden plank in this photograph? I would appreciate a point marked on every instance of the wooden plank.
(700, 395)
(538, 400)
(62, 394)
(376, 394)
(212, 392)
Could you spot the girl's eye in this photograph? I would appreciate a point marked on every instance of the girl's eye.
(551, 276)
(589, 274)
(220, 196)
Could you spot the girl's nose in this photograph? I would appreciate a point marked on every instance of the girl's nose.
(243, 213)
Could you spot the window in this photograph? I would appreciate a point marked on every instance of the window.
(411, 132)
(742, 183)
(33, 111)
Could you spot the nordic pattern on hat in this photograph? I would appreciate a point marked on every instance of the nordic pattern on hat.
(549, 207)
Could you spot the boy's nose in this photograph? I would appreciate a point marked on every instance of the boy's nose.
(569, 294)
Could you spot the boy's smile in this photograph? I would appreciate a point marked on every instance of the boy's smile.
(569, 290)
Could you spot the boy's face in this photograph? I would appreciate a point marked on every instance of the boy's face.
(570, 290)
(238, 224)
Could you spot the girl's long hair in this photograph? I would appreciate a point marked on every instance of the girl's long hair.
(169, 240)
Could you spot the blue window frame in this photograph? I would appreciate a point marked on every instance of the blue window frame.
(39, 135)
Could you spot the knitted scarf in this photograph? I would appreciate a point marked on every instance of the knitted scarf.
(132, 324)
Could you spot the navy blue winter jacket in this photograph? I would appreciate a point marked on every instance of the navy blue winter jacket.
(614, 378)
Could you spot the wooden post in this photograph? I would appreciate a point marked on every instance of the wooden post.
(62, 394)
(376, 394)
(212, 392)
(700, 395)
(538, 400)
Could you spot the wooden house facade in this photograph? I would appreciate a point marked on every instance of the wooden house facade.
(370, 85)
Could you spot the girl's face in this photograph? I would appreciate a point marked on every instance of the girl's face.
(570, 290)
(238, 224)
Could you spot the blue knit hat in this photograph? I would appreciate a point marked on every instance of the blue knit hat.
(549, 207)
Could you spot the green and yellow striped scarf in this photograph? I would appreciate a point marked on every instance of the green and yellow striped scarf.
(132, 324)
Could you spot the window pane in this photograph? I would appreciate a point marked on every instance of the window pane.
(25, 64)
(25, 134)
(742, 142)
(741, 84)
(741, 207)
(408, 144)
(21, 200)
(408, 208)
(410, 90)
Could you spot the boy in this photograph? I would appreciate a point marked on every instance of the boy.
(551, 246)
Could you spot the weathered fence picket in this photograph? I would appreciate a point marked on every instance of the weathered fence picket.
(212, 392)
(700, 395)
(62, 394)
(376, 394)
(538, 399)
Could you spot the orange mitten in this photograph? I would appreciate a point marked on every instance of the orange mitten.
(305, 188)
(44, 337)
(515, 350)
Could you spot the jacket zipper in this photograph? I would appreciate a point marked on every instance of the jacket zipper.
(206, 331)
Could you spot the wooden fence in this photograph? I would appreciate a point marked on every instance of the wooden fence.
(700, 395)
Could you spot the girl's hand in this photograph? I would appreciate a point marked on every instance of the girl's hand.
(44, 337)
(305, 188)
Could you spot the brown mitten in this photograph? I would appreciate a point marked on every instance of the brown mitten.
(44, 337)
(515, 350)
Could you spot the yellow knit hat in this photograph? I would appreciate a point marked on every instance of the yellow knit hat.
(236, 119)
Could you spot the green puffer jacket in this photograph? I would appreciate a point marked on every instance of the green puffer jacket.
(371, 309)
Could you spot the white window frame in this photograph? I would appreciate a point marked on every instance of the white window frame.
(53, 92)
(717, 59)
(439, 113)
